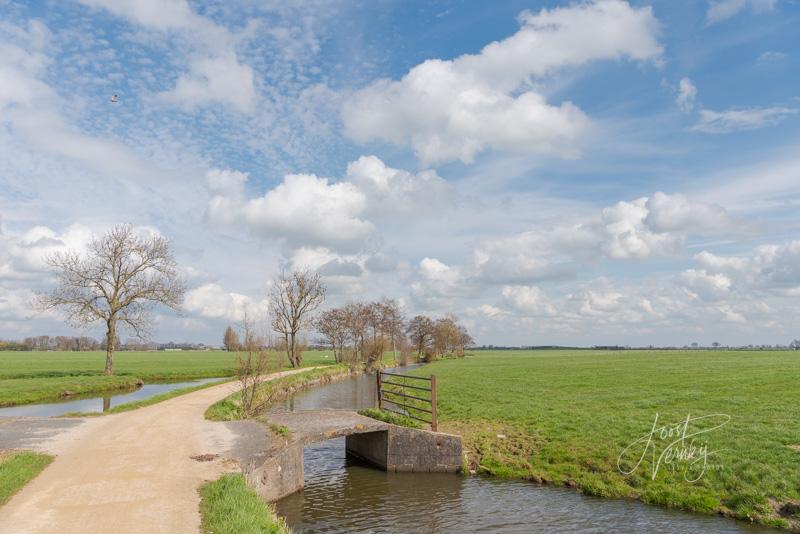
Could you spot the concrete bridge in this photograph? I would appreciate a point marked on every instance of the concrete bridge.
(279, 471)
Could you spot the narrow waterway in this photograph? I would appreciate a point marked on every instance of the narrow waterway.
(343, 495)
(99, 402)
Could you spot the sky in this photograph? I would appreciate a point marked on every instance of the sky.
(574, 173)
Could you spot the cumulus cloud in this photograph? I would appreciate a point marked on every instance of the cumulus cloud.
(25, 255)
(676, 213)
(629, 237)
(396, 191)
(773, 267)
(453, 110)
(528, 300)
(719, 10)
(734, 120)
(647, 227)
(687, 93)
(212, 301)
(305, 210)
(705, 285)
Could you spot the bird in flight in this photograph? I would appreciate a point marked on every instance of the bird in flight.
(114, 99)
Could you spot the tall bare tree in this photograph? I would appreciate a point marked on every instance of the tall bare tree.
(332, 324)
(118, 280)
(293, 299)
(230, 340)
(421, 330)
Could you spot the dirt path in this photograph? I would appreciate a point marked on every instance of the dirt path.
(127, 472)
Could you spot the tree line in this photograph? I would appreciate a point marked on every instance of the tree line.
(361, 331)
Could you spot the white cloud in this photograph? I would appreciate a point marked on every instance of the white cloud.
(734, 120)
(309, 210)
(212, 301)
(644, 228)
(226, 182)
(25, 255)
(453, 110)
(305, 210)
(214, 79)
(706, 286)
(774, 268)
(687, 92)
(528, 300)
(215, 74)
(719, 10)
(676, 213)
(771, 56)
(395, 191)
(628, 237)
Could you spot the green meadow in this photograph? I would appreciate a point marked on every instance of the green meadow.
(28, 377)
(565, 417)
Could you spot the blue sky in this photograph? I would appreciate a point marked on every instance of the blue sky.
(552, 172)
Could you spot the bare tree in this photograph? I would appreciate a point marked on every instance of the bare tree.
(117, 281)
(293, 299)
(254, 363)
(421, 329)
(230, 340)
(391, 322)
(332, 324)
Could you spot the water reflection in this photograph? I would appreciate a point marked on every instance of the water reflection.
(97, 403)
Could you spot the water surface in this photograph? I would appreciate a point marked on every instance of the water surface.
(98, 402)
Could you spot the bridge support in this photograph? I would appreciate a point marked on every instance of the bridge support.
(280, 475)
(408, 450)
(278, 471)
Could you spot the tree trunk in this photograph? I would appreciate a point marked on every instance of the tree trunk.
(111, 335)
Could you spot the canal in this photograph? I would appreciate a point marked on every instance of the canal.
(343, 495)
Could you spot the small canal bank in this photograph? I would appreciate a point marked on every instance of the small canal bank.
(342, 494)
(101, 402)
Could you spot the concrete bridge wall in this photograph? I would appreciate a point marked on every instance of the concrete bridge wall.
(391, 448)
(407, 450)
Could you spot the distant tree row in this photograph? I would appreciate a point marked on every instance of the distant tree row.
(63, 343)
(364, 331)
(358, 332)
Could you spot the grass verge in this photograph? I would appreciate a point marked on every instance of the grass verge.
(564, 417)
(228, 506)
(391, 418)
(230, 409)
(17, 469)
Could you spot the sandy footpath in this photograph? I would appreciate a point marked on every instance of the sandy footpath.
(127, 472)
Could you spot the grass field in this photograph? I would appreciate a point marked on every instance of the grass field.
(564, 417)
(17, 469)
(27, 377)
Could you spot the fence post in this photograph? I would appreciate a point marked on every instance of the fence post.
(433, 403)
(378, 377)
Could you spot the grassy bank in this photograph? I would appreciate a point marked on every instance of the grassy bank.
(565, 417)
(228, 506)
(29, 390)
(17, 469)
(229, 408)
(29, 377)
